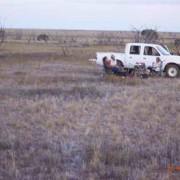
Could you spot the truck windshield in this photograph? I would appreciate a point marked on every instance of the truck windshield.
(162, 50)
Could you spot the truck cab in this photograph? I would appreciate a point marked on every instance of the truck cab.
(147, 53)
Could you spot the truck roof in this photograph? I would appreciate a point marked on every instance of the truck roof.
(145, 44)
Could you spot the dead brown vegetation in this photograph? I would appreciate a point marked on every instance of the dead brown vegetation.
(59, 119)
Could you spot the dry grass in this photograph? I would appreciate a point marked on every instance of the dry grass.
(61, 120)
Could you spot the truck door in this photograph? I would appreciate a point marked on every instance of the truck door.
(134, 55)
(149, 55)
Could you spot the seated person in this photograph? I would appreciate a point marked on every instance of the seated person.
(141, 70)
(157, 67)
(116, 62)
(108, 65)
(113, 60)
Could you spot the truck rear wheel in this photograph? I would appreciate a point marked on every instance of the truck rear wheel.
(172, 71)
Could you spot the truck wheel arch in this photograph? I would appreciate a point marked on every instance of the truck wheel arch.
(119, 63)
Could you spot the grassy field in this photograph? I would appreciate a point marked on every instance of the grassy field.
(59, 119)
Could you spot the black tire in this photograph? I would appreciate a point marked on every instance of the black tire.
(172, 71)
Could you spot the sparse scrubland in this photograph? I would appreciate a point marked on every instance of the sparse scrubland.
(59, 119)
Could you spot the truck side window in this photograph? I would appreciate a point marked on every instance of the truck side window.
(135, 49)
(150, 51)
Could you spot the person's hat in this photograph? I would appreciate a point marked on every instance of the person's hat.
(113, 56)
(158, 58)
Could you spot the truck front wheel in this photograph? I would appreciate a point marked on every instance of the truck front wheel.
(172, 71)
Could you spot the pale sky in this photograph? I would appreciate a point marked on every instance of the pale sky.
(91, 15)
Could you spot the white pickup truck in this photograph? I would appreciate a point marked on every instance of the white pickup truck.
(146, 53)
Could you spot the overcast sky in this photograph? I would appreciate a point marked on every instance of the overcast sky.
(91, 14)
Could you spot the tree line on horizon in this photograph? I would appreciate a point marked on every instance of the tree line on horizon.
(141, 36)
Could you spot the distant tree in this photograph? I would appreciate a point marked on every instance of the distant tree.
(149, 35)
(101, 38)
(74, 39)
(2, 34)
(118, 38)
(63, 38)
(31, 37)
(135, 34)
(43, 37)
(115, 38)
(177, 45)
(18, 35)
(105, 38)
(55, 37)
